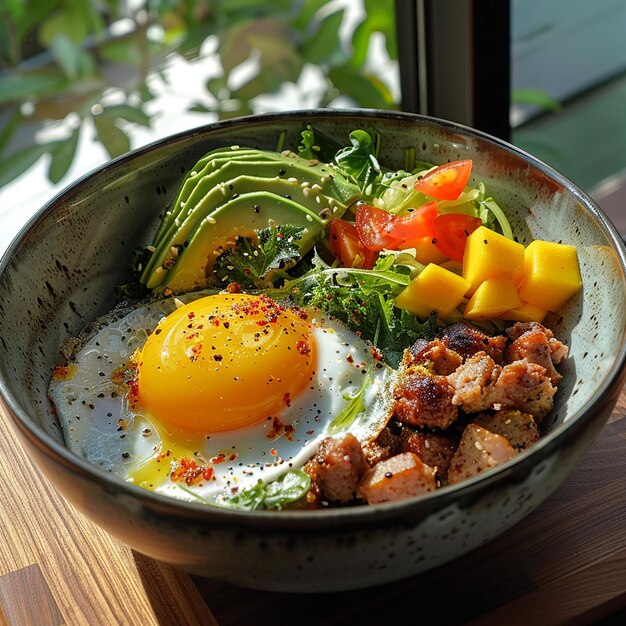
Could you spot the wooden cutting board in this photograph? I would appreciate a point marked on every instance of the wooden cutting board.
(564, 563)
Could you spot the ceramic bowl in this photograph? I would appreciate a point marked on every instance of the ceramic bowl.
(61, 272)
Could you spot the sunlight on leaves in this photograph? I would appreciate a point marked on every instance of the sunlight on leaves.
(69, 58)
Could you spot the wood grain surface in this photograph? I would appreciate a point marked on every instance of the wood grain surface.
(564, 564)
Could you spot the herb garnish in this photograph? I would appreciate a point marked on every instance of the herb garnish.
(258, 265)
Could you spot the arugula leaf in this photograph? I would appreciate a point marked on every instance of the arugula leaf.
(257, 265)
(317, 145)
(359, 161)
(290, 487)
(307, 148)
(132, 288)
(364, 300)
(491, 213)
(344, 420)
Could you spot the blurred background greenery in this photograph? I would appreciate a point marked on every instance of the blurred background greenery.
(82, 81)
(85, 66)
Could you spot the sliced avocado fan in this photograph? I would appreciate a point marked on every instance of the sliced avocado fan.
(239, 191)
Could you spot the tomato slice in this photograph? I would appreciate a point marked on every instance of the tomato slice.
(413, 227)
(371, 224)
(347, 247)
(445, 182)
(452, 231)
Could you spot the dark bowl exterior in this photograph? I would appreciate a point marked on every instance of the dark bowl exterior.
(61, 273)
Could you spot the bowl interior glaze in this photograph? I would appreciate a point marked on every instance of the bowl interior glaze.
(62, 270)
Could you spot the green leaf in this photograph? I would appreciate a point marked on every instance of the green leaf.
(17, 163)
(63, 153)
(366, 90)
(318, 145)
(13, 119)
(271, 40)
(69, 20)
(114, 140)
(234, 108)
(306, 14)
(68, 55)
(129, 113)
(535, 97)
(29, 20)
(199, 107)
(324, 43)
(15, 8)
(292, 486)
(18, 87)
(254, 266)
(218, 87)
(346, 417)
(379, 18)
(126, 51)
(359, 160)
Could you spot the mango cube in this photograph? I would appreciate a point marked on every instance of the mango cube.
(551, 274)
(525, 312)
(433, 289)
(494, 296)
(488, 253)
(427, 252)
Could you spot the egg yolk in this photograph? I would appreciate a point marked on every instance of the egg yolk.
(224, 362)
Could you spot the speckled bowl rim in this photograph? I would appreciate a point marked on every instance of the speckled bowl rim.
(462, 494)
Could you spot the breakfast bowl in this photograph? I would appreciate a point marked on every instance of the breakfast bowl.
(63, 271)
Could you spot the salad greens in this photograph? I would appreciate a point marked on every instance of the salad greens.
(255, 266)
(364, 300)
(290, 487)
(361, 295)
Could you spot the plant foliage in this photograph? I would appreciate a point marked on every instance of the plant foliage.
(61, 61)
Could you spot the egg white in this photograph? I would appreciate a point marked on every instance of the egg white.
(102, 426)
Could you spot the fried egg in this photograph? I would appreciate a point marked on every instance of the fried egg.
(201, 399)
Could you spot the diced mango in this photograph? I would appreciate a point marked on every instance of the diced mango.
(488, 253)
(433, 289)
(494, 296)
(525, 312)
(426, 251)
(551, 274)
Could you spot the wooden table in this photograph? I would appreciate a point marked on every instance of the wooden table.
(565, 563)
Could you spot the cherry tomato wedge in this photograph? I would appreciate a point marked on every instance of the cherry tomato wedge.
(452, 231)
(347, 247)
(445, 182)
(371, 224)
(408, 229)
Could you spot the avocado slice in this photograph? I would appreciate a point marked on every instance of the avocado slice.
(243, 215)
(223, 173)
(223, 165)
(305, 190)
(178, 233)
(208, 164)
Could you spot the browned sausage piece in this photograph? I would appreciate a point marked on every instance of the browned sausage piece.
(479, 451)
(424, 399)
(535, 343)
(434, 449)
(338, 467)
(473, 383)
(435, 356)
(399, 477)
(519, 428)
(467, 340)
